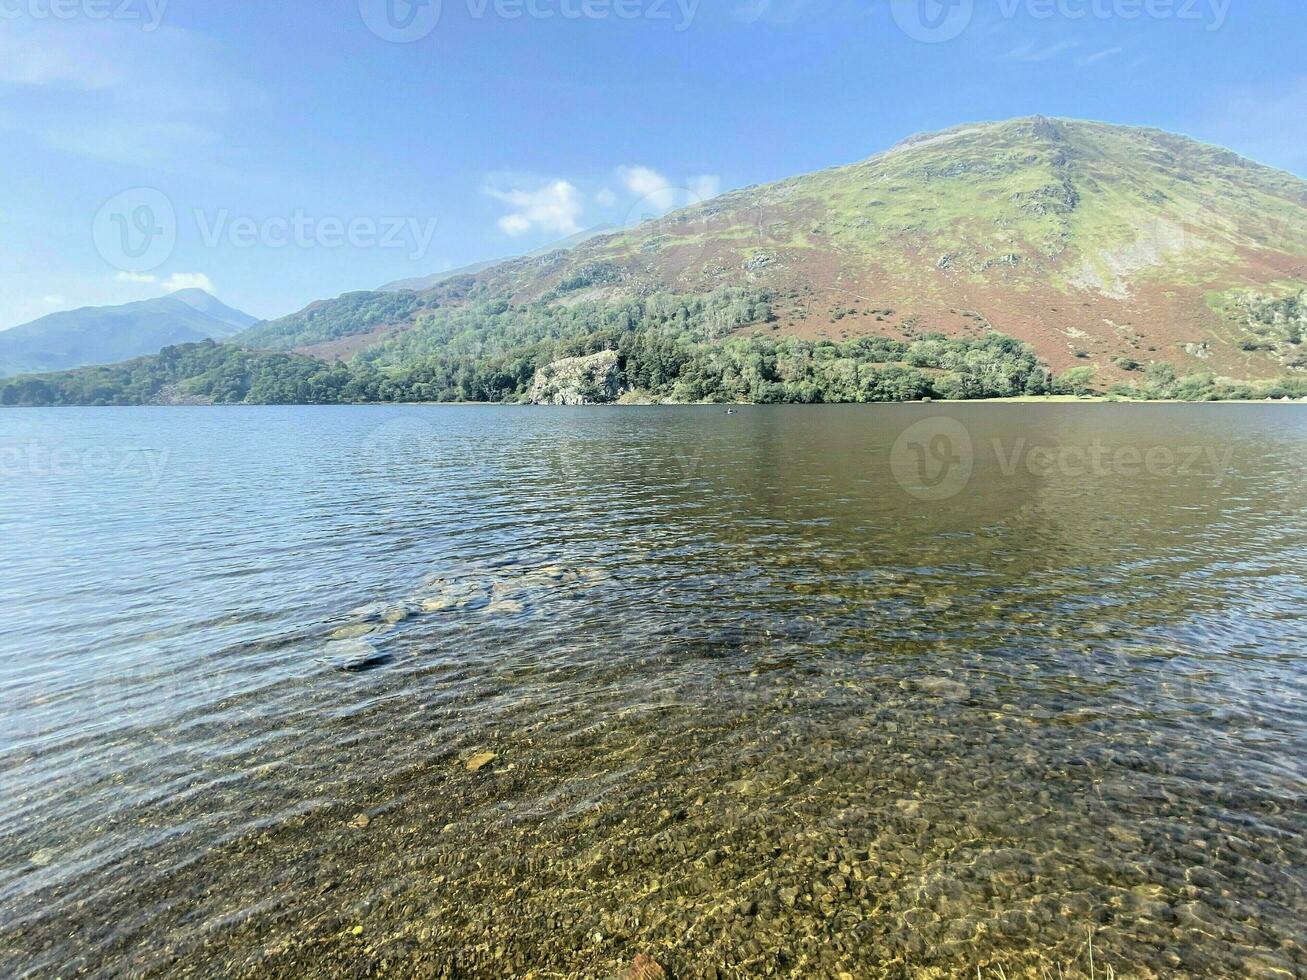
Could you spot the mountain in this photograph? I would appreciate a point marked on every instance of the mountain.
(210, 305)
(108, 334)
(427, 282)
(1005, 258)
(1101, 246)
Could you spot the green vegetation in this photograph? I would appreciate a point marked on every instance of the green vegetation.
(1274, 325)
(766, 370)
(659, 364)
(1162, 383)
(345, 316)
(669, 347)
(1077, 381)
(204, 372)
(495, 327)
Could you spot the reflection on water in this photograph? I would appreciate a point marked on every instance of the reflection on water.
(476, 692)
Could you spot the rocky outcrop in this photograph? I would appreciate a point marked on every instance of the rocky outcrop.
(592, 380)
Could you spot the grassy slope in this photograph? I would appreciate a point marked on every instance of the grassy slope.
(1075, 236)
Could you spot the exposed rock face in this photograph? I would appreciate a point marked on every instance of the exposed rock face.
(591, 380)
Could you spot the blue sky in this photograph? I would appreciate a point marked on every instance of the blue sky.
(281, 152)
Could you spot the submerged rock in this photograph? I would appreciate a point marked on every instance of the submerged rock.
(944, 688)
(353, 631)
(395, 615)
(43, 858)
(479, 761)
(370, 613)
(356, 657)
(506, 607)
(365, 666)
(446, 595)
(644, 967)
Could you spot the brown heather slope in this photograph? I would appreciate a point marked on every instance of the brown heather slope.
(1092, 242)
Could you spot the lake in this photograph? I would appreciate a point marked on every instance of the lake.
(795, 691)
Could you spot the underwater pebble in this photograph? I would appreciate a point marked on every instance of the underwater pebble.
(352, 632)
(43, 858)
(944, 688)
(645, 968)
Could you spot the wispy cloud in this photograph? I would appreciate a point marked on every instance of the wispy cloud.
(66, 59)
(1097, 56)
(1032, 54)
(555, 207)
(111, 92)
(663, 194)
(174, 283)
(187, 280)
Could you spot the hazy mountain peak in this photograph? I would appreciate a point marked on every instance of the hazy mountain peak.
(109, 334)
(207, 303)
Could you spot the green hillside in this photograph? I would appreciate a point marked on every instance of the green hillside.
(1091, 242)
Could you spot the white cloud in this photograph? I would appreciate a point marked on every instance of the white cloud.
(644, 181)
(656, 193)
(552, 208)
(53, 300)
(175, 282)
(188, 280)
(606, 197)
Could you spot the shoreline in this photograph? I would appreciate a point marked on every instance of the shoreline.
(1014, 400)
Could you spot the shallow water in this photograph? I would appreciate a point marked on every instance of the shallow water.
(884, 691)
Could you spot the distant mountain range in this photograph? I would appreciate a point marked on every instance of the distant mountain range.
(108, 334)
(1124, 258)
